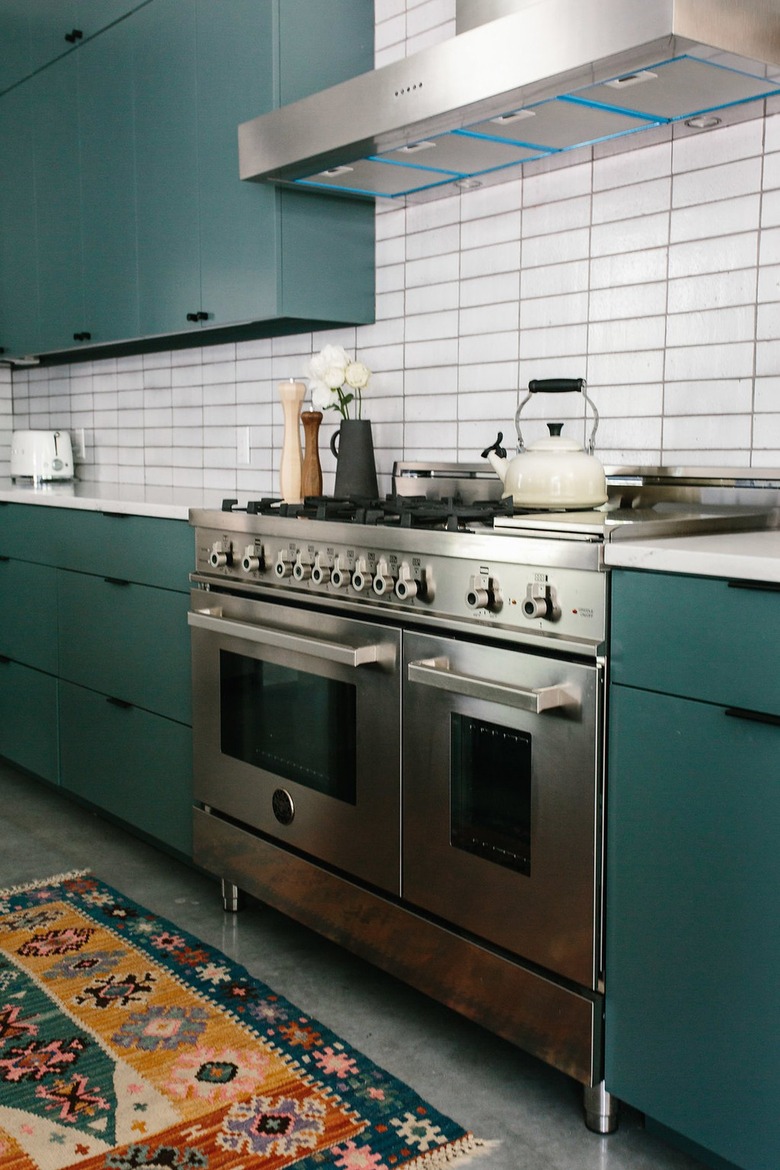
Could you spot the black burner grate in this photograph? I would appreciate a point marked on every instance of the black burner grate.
(450, 514)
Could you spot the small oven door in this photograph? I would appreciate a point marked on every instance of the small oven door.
(295, 729)
(501, 798)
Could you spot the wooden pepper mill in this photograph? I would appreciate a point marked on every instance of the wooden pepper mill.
(311, 474)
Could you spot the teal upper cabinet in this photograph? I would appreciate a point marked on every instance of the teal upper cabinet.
(33, 33)
(167, 165)
(130, 206)
(19, 310)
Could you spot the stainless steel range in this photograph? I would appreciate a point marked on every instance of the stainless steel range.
(399, 713)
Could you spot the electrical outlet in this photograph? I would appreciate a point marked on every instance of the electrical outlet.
(242, 447)
(79, 445)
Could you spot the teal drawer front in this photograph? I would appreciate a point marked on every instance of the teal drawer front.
(696, 636)
(130, 642)
(693, 947)
(28, 719)
(28, 614)
(148, 550)
(134, 765)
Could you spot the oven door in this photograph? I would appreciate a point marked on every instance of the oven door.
(295, 729)
(501, 798)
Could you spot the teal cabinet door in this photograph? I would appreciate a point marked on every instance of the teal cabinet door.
(28, 719)
(15, 58)
(107, 166)
(19, 315)
(165, 56)
(133, 548)
(28, 614)
(134, 765)
(693, 946)
(705, 638)
(128, 641)
(240, 242)
(303, 30)
(58, 203)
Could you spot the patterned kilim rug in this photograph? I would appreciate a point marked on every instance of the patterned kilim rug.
(127, 1043)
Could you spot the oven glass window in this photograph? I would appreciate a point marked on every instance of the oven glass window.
(295, 725)
(491, 792)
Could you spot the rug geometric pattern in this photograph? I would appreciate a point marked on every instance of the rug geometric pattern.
(127, 1043)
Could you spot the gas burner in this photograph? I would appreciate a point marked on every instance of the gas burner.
(450, 514)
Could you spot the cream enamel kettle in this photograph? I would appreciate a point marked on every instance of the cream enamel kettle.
(554, 472)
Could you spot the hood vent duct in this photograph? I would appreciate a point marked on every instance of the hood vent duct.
(539, 80)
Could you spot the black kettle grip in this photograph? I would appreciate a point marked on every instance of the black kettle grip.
(556, 385)
(333, 446)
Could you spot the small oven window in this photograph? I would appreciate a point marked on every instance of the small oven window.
(297, 726)
(491, 792)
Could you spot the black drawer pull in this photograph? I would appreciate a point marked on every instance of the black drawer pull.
(4, 658)
(756, 586)
(753, 716)
(4, 559)
(123, 703)
(115, 581)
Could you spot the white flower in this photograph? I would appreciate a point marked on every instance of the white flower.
(335, 381)
(322, 397)
(332, 357)
(357, 375)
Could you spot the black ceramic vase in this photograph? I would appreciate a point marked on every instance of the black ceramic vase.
(353, 446)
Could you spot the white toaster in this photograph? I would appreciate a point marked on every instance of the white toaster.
(41, 455)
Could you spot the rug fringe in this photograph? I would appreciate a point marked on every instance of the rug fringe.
(54, 880)
(462, 1151)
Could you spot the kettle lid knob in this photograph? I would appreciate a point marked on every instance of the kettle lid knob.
(555, 429)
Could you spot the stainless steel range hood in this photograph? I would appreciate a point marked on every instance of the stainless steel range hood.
(540, 79)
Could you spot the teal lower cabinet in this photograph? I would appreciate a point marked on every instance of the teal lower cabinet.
(693, 884)
(129, 641)
(95, 674)
(128, 762)
(28, 719)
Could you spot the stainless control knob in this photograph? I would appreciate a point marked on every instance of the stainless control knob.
(406, 587)
(383, 583)
(339, 577)
(302, 570)
(540, 601)
(320, 574)
(252, 560)
(535, 607)
(220, 555)
(360, 577)
(283, 567)
(484, 593)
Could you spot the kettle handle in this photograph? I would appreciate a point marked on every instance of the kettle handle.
(558, 386)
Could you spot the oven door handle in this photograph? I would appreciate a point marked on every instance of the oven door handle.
(336, 652)
(435, 672)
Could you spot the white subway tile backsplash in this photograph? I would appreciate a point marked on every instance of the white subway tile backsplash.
(723, 218)
(713, 290)
(694, 362)
(724, 254)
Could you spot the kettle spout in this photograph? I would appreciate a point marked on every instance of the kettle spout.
(496, 456)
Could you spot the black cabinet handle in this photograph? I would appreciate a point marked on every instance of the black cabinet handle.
(756, 586)
(2, 349)
(82, 336)
(119, 703)
(75, 35)
(199, 316)
(4, 659)
(115, 581)
(753, 716)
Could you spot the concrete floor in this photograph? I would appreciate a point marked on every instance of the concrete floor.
(530, 1111)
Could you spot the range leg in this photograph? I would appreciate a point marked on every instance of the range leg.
(232, 897)
(600, 1109)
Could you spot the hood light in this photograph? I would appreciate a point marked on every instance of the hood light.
(704, 122)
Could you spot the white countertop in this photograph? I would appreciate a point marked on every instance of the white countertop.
(163, 502)
(742, 556)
